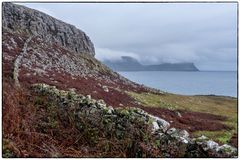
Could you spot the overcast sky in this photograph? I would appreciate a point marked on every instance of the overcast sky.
(203, 33)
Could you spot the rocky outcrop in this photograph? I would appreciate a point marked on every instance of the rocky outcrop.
(23, 19)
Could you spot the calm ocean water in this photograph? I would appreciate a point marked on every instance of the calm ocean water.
(188, 83)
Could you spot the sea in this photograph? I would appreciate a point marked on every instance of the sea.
(222, 83)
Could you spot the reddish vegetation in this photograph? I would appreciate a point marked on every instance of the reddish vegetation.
(82, 86)
(19, 118)
(11, 51)
(26, 134)
(191, 121)
(19, 114)
(234, 140)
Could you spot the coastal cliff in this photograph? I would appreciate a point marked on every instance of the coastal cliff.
(59, 101)
(22, 19)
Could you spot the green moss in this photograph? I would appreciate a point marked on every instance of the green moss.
(232, 122)
(124, 112)
(52, 121)
(38, 101)
(70, 95)
(6, 152)
(91, 135)
(157, 142)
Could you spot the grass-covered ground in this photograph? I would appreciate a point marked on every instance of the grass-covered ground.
(215, 105)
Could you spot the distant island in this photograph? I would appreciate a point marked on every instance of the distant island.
(127, 63)
(60, 101)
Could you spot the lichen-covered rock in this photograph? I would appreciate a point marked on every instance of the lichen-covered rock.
(179, 135)
(163, 125)
(171, 131)
(20, 18)
(227, 149)
(201, 139)
(214, 149)
(184, 134)
(105, 88)
(211, 145)
(158, 123)
(155, 126)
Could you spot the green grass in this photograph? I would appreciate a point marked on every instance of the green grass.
(205, 104)
(217, 105)
(220, 136)
(224, 106)
(152, 100)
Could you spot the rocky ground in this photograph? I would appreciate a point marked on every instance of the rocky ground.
(60, 102)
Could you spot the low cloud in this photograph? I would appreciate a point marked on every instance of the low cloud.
(113, 55)
(202, 33)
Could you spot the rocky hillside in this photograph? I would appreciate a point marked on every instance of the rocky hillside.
(59, 101)
(22, 19)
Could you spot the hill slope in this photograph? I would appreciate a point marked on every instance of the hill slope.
(59, 101)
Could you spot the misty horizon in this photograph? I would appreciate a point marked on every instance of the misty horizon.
(153, 33)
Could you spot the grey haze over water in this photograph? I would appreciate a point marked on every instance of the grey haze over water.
(202, 33)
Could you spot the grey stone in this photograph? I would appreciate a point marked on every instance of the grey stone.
(17, 17)
(110, 109)
(164, 125)
(183, 140)
(171, 131)
(201, 139)
(184, 134)
(211, 145)
(179, 114)
(227, 149)
(155, 126)
(88, 97)
(105, 88)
